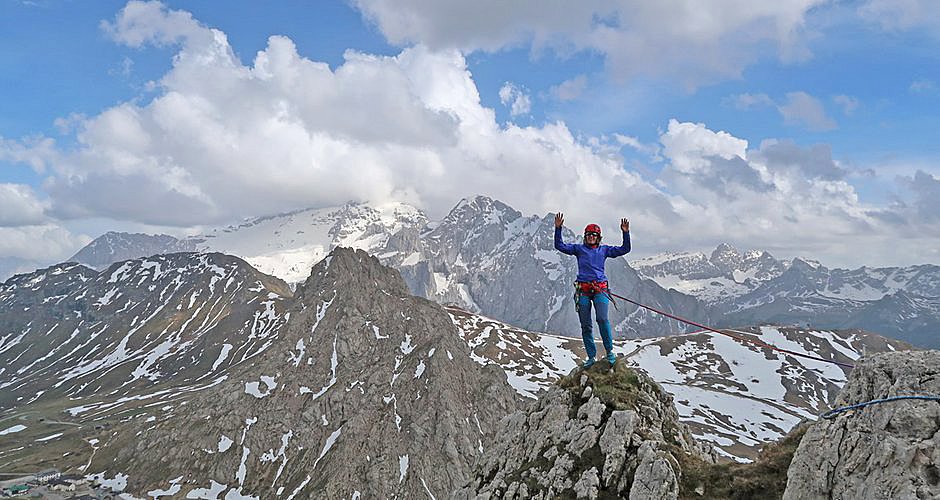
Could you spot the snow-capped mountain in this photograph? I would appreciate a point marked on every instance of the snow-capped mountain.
(484, 256)
(351, 391)
(126, 374)
(489, 258)
(114, 247)
(71, 331)
(723, 276)
(754, 287)
(289, 245)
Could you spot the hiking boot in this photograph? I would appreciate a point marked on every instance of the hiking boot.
(589, 363)
(611, 358)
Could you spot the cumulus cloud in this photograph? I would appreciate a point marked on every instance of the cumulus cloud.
(926, 199)
(223, 139)
(516, 98)
(691, 40)
(19, 206)
(569, 90)
(789, 199)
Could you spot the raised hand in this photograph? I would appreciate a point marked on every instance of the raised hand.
(559, 219)
(624, 224)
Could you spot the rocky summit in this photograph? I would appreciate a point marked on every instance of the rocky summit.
(369, 392)
(887, 450)
(600, 433)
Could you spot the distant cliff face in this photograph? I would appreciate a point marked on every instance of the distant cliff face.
(888, 450)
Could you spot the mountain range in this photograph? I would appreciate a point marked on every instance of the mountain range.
(198, 371)
(487, 257)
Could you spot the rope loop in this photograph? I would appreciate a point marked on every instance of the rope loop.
(829, 415)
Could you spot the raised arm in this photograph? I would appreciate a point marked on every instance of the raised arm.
(560, 245)
(623, 249)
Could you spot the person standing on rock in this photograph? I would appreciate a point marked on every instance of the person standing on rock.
(591, 284)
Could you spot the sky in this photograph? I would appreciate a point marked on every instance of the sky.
(801, 127)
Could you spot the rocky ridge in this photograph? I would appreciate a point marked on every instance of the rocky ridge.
(69, 330)
(368, 392)
(888, 450)
(600, 433)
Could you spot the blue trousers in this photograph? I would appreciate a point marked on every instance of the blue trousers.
(600, 302)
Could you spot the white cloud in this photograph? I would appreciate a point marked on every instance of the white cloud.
(516, 98)
(224, 140)
(142, 23)
(19, 206)
(651, 150)
(570, 90)
(848, 103)
(784, 198)
(44, 244)
(803, 109)
(37, 152)
(693, 41)
(690, 146)
(896, 15)
(799, 108)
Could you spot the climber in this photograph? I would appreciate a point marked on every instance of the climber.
(591, 284)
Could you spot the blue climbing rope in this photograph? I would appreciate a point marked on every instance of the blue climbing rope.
(832, 413)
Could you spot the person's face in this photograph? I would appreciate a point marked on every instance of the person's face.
(591, 238)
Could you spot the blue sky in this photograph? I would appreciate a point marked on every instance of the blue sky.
(657, 101)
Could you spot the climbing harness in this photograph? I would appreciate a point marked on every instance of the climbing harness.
(832, 413)
(592, 288)
(737, 337)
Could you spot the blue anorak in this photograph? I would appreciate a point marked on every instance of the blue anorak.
(591, 259)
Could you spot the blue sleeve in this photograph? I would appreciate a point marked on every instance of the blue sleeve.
(613, 252)
(561, 246)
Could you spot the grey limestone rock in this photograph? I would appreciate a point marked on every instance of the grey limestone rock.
(586, 487)
(655, 477)
(888, 450)
(619, 442)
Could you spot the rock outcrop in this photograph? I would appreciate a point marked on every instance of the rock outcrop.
(888, 450)
(599, 433)
(367, 392)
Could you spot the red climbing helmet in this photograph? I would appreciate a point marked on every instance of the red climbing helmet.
(592, 228)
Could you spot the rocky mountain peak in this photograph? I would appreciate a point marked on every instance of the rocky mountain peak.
(365, 391)
(600, 433)
(726, 257)
(351, 269)
(114, 246)
(887, 450)
(489, 210)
